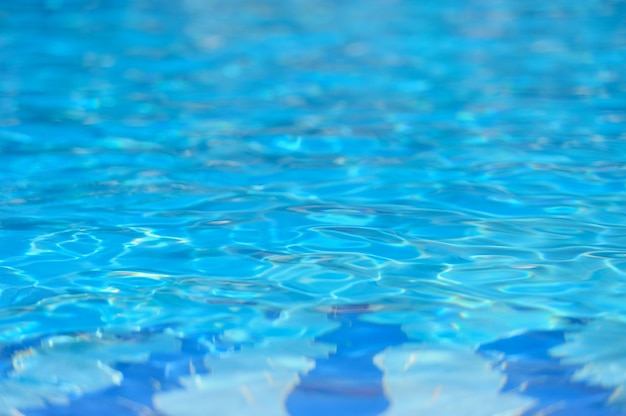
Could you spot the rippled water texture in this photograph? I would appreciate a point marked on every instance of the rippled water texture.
(313, 207)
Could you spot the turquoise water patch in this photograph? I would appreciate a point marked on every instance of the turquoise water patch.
(383, 207)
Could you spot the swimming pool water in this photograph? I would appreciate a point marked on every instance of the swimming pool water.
(307, 207)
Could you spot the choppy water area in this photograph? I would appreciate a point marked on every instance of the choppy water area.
(313, 207)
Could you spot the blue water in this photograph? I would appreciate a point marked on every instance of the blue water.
(313, 207)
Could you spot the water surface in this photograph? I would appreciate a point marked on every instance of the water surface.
(312, 207)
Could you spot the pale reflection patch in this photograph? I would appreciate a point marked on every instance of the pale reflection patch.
(443, 381)
(65, 367)
(599, 349)
(250, 382)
